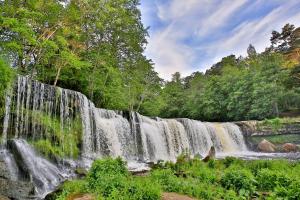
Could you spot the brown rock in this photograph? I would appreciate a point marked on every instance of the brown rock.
(211, 154)
(81, 197)
(266, 146)
(289, 147)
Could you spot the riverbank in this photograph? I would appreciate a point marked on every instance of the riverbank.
(229, 178)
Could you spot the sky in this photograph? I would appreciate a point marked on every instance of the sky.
(191, 35)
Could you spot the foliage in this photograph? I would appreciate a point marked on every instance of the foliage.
(95, 47)
(259, 86)
(275, 124)
(109, 179)
(59, 140)
(277, 139)
(240, 181)
(230, 179)
(6, 78)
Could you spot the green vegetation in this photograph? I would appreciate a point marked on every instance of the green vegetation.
(96, 47)
(109, 179)
(277, 123)
(59, 140)
(230, 178)
(276, 139)
(7, 75)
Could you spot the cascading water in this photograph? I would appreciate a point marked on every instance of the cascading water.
(36, 109)
(39, 112)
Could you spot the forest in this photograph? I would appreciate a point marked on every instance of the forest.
(97, 47)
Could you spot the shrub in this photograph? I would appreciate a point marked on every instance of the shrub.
(228, 161)
(72, 187)
(291, 193)
(240, 181)
(166, 179)
(109, 170)
(267, 180)
(257, 165)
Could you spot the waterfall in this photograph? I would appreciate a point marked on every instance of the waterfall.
(44, 174)
(36, 111)
(68, 122)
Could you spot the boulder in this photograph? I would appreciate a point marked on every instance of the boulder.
(211, 154)
(289, 147)
(266, 146)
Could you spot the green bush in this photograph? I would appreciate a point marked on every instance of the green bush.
(166, 179)
(275, 124)
(267, 180)
(72, 187)
(240, 181)
(137, 189)
(228, 179)
(111, 170)
(257, 165)
(291, 193)
(228, 161)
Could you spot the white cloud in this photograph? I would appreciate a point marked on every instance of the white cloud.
(256, 32)
(187, 24)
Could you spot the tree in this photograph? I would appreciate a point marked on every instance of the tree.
(281, 42)
(251, 51)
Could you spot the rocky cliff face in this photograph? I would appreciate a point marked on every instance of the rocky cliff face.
(279, 132)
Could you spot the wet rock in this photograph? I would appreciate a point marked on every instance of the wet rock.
(211, 154)
(289, 147)
(81, 172)
(266, 146)
(16, 189)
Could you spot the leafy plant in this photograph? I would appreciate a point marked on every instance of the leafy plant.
(241, 181)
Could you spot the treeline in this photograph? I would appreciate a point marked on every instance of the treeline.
(254, 87)
(93, 46)
(96, 47)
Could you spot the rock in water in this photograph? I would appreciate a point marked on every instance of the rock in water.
(289, 147)
(44, 175)
(10, 186)
(211, 154)
(266, 146)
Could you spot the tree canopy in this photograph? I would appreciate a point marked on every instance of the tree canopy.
(97, 47)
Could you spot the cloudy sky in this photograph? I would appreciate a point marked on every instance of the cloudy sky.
(191, 35)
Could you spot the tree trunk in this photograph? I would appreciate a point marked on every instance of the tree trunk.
(57, 75)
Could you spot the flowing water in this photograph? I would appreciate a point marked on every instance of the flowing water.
(36, 111)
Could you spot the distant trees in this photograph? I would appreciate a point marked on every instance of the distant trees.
(255, 87)
(96, 47)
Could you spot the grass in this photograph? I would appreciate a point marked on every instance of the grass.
(230, 179)
(276, 139)
(277, 123)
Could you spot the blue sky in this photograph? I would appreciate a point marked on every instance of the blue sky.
(191, 35)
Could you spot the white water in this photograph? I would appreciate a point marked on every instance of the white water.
(45, 175)
(111, 133)
(136, 138)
